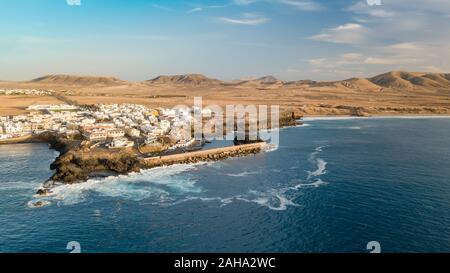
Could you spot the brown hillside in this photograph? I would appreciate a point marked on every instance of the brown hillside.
(394, 79)
(191, 79)
(360, 84)
(410, 80)
(78, 80)
(266, 81)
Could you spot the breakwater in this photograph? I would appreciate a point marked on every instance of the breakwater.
(204, 155)
(77, 165)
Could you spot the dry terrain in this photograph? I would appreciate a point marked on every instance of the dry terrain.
(392, 93)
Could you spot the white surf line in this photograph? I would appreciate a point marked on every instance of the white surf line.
(324, 118)
(321, 163)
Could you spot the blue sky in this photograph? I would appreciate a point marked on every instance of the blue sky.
(226, 39)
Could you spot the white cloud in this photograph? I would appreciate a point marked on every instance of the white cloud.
(164, 8)
(358, 64)
(302, 5)
(363, 8)
(350, 33)
(350, 58)
(433, 69)
(400, 34)
(251, 19)
(73, 2)
(374, 2)
(198, 9)
(203, 8)
(392, 61)
(317, 62)
(244, 2)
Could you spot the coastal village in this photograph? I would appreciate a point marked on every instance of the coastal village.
(28, 92)
(99, 140)
(108, 126)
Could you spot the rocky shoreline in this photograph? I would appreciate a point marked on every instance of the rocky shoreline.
(77, 163)
(79, 160)
(76, 166)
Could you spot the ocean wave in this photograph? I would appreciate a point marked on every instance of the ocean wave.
(276, 199)
(321, 168)
(317, 151)
(320, 163)
(38, 204)
(325, 118)
(273, 199)
(332, 118)
(242, 174)
(158, 183)
(270, 148)
(177, 184)
(319, 182)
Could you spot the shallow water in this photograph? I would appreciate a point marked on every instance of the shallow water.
(332, 186)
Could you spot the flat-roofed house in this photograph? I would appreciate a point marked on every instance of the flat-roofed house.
(96, 135)
(115, 133)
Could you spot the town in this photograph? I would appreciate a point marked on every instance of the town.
(29, 92)
(108, 126)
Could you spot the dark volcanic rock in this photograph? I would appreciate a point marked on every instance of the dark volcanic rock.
(76, 167)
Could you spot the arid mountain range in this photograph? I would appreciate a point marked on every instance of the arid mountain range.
(394, 79)
(397, 92)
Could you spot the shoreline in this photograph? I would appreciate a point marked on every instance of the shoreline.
(76, 165)
(346, 117)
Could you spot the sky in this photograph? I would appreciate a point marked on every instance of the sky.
(225, 39)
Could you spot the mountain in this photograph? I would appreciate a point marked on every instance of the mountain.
(79, 80)
(393, 80)
(269, 80)
(301, 83)
(360, 84)
(190, 79)
(262, 82)
(411, 80)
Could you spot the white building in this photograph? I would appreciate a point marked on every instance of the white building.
(132, 132)
(120, 143)
(115, 133)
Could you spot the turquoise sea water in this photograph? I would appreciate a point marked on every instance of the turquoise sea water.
(332, 186)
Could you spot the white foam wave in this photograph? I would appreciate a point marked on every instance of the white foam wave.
(38, 204)
(321, 168)
(242, 174)
(273, 199)
(318, 118)
(97, 213)
(320, 163)
(318, 150)
(174, 185)
(159, 183)
(270, 148)
(331, 118)
(315, 184)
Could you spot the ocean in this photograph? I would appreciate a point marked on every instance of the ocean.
(333, 185)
